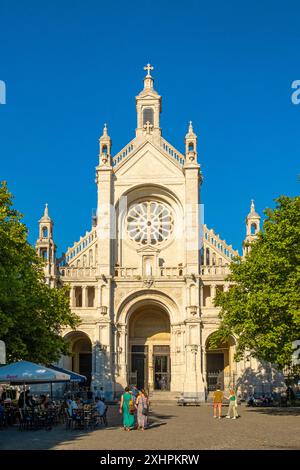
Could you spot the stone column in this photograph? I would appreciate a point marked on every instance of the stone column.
(84, 296)
(193, 381)
(122, 357)
(105, 218)
(201, 301)
(213, 290)
(106, 351)
(192, 221)
(98, 295)
(150, 367)
(72, 297)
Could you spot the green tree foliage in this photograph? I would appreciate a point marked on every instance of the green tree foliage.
(262, 307)
(31, 314)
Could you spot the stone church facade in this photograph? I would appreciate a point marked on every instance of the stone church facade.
(144, 277)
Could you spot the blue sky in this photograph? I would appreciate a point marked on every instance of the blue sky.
(70, 66)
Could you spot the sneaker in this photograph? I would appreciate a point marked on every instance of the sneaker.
(228, 417)
(220, 417)
(232, 418)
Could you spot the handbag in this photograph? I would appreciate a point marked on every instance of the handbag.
(145, 410)
(131, 407)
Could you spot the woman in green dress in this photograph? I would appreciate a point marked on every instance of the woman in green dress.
(125, 405)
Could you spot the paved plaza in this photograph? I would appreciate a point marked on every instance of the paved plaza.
(173, 427)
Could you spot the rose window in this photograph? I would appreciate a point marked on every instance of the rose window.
(149, 223)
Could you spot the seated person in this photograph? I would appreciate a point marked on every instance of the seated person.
(99, 393)
(251, 400)
(72, 405)
(44, 402)
(100, 406)
(29, 401)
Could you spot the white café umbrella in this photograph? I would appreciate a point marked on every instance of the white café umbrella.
(25, 372)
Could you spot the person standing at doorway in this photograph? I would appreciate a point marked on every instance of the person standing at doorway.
(218, 400)
(127, 410)
(232, 404)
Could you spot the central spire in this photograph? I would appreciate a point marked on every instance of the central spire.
(148, 80)
(148, 106)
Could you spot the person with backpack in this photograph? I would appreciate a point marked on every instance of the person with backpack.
(142, 406)
(127, 409)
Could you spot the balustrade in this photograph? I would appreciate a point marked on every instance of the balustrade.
(214, 270)
(123, 153)
(170, 150)
(125, 272)
(77, 273)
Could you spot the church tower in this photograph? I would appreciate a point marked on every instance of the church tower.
(252, 228)
(46, 247)
(191, 144)
(148, 107)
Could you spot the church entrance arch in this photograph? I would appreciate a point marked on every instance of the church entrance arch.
(80, 359)
(149, 347)
(220, 364)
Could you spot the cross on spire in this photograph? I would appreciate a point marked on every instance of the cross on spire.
(148, 67)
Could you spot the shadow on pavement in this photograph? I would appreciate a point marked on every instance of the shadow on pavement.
(276, 411)
(11, 438)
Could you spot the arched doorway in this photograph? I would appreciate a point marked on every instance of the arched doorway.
(80, 359)
(220, 364)
(149, 347)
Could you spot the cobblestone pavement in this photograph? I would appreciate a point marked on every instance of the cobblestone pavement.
(173, 427)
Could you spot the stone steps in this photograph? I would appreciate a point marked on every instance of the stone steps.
(157, 396)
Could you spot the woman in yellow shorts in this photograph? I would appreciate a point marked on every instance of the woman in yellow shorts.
(218, 400)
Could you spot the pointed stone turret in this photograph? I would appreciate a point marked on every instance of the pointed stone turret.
(45, 217)
(252, 228)
(191, 144)
(46, 247)
(105, 143)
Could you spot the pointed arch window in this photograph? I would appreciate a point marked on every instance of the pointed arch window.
(45, 232)
(44, 253)
(148, 115)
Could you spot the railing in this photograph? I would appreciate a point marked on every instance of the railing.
(77, 272)
(214, 270)
(220, 378)
(79, 246)
(218, 245)
(166, 272)
(171, 271)
(123, 153)
(170, 150)
(126, 272)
